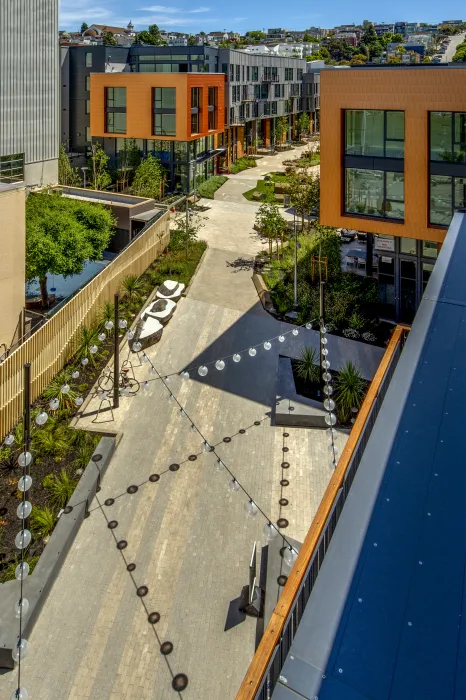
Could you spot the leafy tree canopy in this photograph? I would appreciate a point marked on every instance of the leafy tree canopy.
(192, 41)
(151, 36)
(109, 39)
(67, 175)
(148, 178)
(84, 27)
(256, 35)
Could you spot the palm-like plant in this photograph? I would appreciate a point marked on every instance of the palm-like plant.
(131, 286)
(42, 522)
(306, 367)
(54, 442)
(83, 456)
(349, 390)
(106, 313)
(87, 338)
(60, 488)
(53, 390)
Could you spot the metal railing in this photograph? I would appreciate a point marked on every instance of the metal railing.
(267, 663)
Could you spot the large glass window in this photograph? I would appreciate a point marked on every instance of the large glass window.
(180, 150)
(374, 133)
(165, 124)
(162, 149)
(196, 97)
(255, 73)
(116, 123)
(89, 59)
(165, 98)
(195, 127)
(116, 97)
(88, 82)
(447, 194)
(374, 193)
(165, 111)
(12, 168)
(448, 136)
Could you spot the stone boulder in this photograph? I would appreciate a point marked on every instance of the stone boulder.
(148, 332)
(170, 290)
(162, 310)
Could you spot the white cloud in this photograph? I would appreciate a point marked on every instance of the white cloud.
(173, 10)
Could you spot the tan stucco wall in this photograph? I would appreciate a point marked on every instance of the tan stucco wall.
(12, 265)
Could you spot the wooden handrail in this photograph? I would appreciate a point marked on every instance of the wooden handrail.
(271, 637)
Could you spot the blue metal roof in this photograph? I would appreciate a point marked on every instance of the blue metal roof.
(386, 619)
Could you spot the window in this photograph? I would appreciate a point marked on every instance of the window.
(299, 74)
(225, 68)
(195, 123)
(247, 111)
(429, 250)
(149, 67)
(88, 133)
(164, 111)
(266, 108)
(238, 73)
(165, 68)
(447, 194)
(374, 133)
(232, 72)
(408, 246)
(88, 106)
(212, 119)
(180, 150)
(12, 168)
(277, 90)
(196, 97)
(264, 92)
(242, 73)
(116, 123)
(288, 73)
(374, 193)
(232, 115)
(255, 110)
(248, 73)
(159, 147)
(89, 60)
(255, 73)
(88, 82)
(274, 107)
(257, 92)
(448, 136)
(244, 92)
(115, 103)
(213, 96)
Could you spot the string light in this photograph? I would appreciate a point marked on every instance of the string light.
(329, 404)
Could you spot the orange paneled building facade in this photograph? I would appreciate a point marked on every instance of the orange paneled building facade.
(393, 165)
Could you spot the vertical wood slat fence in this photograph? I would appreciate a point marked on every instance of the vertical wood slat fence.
(53, 344)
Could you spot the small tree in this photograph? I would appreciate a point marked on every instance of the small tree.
(154, 31)
(67, 175)
(303, 124)
(280, 129)
(109, 39)
(192, 41)
(349, 390)
(149, 178)
(308, 367)
(129, 158)
(84, 27)
(186, 229)
(97, 164)
(270, 223)
(61, 234)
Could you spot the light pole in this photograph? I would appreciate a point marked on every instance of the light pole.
(116, 362)
(321, 320)
(295, 259)
(84, 168)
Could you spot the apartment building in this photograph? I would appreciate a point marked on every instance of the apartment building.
(253, 92)
(393, 143)
(381, 29)
(29, 137)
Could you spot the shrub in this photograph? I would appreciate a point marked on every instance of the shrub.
(208, 188)
(106, 313)
(42, 522)
(60, 488)
(53, 442)
(369, 337)
(351, 334)
(357, 321)
(307, 368)
(242, 164)
(87, 338)
(131, 286)
(349, 390)
(53, 390)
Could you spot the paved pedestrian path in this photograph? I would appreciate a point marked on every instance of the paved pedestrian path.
(187, 533)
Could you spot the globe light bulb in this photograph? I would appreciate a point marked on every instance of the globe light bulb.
(21, 607)
(24, 483)
(93, 349)
(75, 374)
(323, 340)
(144, 359)
(108, 325)
(324, 329)
(129, 335)
(20, 694)
(295, 331)
(329, 404)
(267, 345)
(270, 532)
(20, 650)
(24, 510)
(22, 571)
(328, 389)
(54, 404)
(324, 352)
(122, 323)
(330, 418)
(233, 485)
(252, 352)
(289, 556)
(65, 389)
(41, 418)
(309, 326)
(9, 440)
(202, 371)
(220, 365)
(236, 357)
(331, 433)
(327, 377)
(101, 337)
(23, 539)
(137, 346)
(79, 401)
(85, 361)
(326, 364)
(24, 459)
(185, 375)
(281, 338)
(251, 508)
(153, 371)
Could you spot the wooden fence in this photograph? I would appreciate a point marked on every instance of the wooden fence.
(266, 665)
(53, 344)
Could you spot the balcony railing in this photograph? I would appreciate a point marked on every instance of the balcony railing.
(266, 665)
(269, 78)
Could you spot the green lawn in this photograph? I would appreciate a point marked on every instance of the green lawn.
(263, 187)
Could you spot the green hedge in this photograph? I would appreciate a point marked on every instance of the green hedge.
(209, 187)
(242, 164)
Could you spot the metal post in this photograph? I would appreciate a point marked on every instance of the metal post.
(116, 359)
(187, 226)
(321, 321)
(27, 424)
(295, 260)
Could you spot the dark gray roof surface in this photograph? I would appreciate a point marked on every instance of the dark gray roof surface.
(387, 617)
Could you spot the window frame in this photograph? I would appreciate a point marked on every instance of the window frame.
(88, 59)
(385, 138)
(385, 200)
(453, 142)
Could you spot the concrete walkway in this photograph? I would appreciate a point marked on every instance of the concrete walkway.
(187, 533)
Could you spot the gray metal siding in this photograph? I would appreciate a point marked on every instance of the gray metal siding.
(29, 79)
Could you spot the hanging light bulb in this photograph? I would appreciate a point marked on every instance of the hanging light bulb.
(295, 331)
(24, 483)
(252, 352)
(108, 325)
(93, 349)
(333, 449)
(22, 571)
(185, 374)
(206, 447)
(270, 532)
(41, 418)
(220, 365)
(202, 371)
(193, 428)
(24, 510)
(85, 361)
(330, 418)
(79, 401)
(309, 326)
(145, 386)
(331, 433)
(137, 346)
(328, 389)
(326, 364)
(233, 485)
(290, 556)
(66, 388)
(20, 650)
(101, 337)
(327, 377)
(329, 404)
(323, 340)
(251, 508)
(23, 539)
(153, 371)
(9, 440)
(324, 351)
(324, 329)
(75, 374)
(281, 338)
(236, 357)
(122, 323)
(24, 459)
(21, 607)
(129, 335)
(20, 694)
(54, 404)
(267, 345)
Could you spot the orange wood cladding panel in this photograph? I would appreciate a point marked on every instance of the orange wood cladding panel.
(139, 111)
(417, 91)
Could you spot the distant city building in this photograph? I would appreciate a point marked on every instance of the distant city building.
(452, 22)
(123, 35)
(381, 29)
(350, 37)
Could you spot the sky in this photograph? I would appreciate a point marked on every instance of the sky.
(243, 15)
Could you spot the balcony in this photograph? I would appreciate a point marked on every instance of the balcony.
(269, 78)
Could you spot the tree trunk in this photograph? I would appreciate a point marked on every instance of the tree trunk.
(270, 249)
(43, 291)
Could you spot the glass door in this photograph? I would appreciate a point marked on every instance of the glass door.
(387, 293)
(408, 303)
